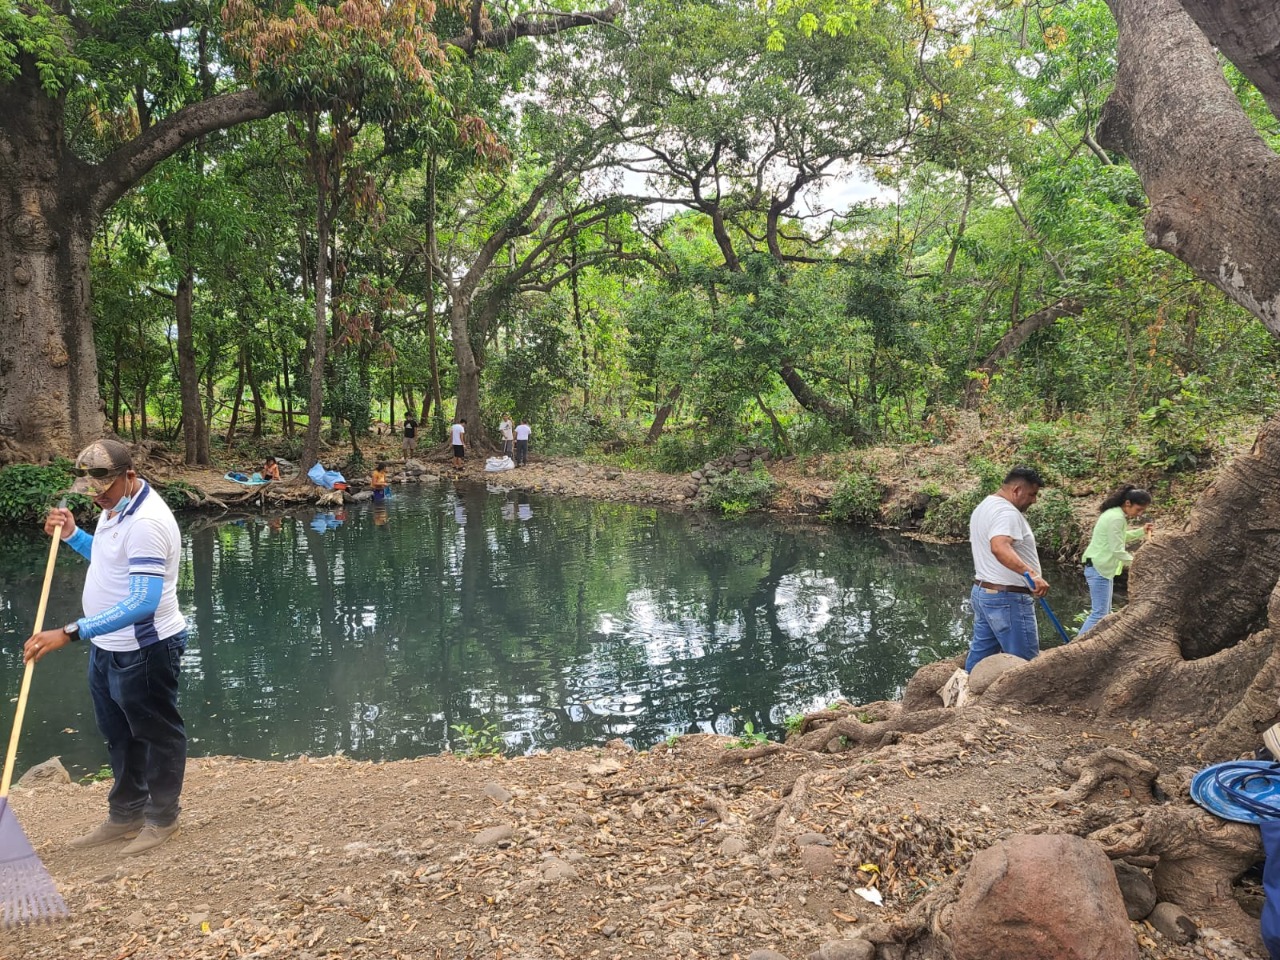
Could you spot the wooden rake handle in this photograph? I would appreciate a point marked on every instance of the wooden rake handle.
(12, 755)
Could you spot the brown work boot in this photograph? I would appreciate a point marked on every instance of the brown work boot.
(150, 837)
(108, 832)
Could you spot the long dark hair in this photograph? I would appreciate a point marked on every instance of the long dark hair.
(1126, 494)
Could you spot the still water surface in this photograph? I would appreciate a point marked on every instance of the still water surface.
(372, 631)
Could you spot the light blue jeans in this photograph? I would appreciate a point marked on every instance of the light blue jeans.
(1002, 623)
(1100, 591)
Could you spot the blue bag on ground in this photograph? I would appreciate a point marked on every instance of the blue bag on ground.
(1271, 887)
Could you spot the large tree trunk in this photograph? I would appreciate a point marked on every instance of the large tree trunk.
(49, 401)
(1248, 34)
(50, 205)
(469, 369)
(1202, 601)
(194, 432)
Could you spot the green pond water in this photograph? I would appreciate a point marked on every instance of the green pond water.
(373, 631)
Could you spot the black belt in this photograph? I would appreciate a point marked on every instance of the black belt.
(1002, 587)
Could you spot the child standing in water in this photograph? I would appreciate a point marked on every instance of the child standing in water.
(378, 482)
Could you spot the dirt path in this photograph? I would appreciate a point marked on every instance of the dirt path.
(693, 849)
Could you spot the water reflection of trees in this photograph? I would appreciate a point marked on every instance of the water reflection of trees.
(585, 621)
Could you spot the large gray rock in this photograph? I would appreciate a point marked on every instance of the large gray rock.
(985, 672)
(1044, 897)
(1137, 888)
(1173, 924)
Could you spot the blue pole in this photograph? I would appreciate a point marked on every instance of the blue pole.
(1045, 603)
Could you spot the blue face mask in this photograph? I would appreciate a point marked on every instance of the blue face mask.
(123, 503)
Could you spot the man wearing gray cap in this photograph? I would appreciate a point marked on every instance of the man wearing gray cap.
(138, 636)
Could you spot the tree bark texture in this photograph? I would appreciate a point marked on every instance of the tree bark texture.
(1214, 185)
(1198, 638)
(49, 399)
(1248, 34)
(195, 434)
(469, 369)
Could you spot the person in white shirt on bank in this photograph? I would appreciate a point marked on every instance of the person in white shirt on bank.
(137, 636)
(508, 435)
(522, 442)
(458, 435)
(1004, 548)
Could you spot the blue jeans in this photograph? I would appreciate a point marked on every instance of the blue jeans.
(1002, 623)
(135, 700)
(1100, 590)
(522, 452)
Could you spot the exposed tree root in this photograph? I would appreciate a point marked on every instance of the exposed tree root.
(789, 814)
(1200, 858)
(1111, 764)
(835, 731)
(1192, 643)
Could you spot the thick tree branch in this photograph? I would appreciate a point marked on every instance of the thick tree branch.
(129, 163)
(1248, 34)
(526, 26)
(1017, 336)
(1214, 185)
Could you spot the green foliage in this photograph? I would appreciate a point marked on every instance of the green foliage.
(41, 32)
(949, 519)
(101, 775)
(990, 476)
(179, 495)
(1059, 453)
(737, 492)
(1058, 532)
(792, 723)
(681, 452)
(857, 498)
(748, 738)
(1177, 428)
(27, 492)
(479, 742)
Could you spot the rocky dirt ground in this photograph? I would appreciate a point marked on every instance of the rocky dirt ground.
(698, 848)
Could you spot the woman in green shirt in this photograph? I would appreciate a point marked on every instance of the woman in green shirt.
(1106, 555)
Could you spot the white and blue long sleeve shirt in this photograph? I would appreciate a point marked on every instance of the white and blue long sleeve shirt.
(130, 594)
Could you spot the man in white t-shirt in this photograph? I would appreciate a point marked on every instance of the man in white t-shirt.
(1004, 548)
(458, 435)
(522, 442)
(137, 636)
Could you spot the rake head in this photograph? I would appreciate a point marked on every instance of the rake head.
(27, 892)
